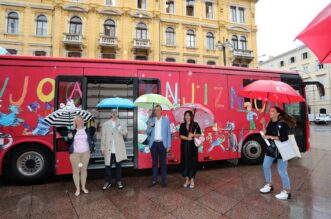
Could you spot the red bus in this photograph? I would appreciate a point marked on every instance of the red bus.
(33, 87)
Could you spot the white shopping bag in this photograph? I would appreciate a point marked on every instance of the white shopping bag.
(288, 149)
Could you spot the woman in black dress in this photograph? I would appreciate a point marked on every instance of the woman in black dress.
(189, 152)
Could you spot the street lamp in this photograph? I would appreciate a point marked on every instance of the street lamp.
(223, 45)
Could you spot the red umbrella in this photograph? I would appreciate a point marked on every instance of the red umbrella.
(272, 91)
(317, 35)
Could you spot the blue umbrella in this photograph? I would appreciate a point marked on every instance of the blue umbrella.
(3, 51)
(116, 102)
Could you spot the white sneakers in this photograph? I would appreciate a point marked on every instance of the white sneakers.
(283, 195)
(267, 189)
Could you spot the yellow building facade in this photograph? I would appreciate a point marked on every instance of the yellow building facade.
(194, 31)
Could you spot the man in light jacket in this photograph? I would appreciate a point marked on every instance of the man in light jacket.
(113, 148)
(159, 139)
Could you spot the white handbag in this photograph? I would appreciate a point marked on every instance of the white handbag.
(288, 149)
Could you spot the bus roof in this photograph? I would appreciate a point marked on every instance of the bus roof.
(135, 62)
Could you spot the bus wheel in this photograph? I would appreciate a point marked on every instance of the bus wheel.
(29, 164)
(253, 151)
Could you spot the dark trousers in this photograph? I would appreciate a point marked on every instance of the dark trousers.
(159, 153)
(118, 170)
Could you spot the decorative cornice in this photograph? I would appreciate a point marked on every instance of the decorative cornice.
(169, 20)
(169, 53)
(210, 56)
(209, 26)
(141, 14)
(40, 45)
(110, 11)
(8, 3)
(191, 54)
(11, 42)
(239, 28)
(190, 23)
(46, 7)
(75, 7)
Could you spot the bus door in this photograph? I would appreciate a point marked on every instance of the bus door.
(102, 87)
(166, 83)
(70, 92)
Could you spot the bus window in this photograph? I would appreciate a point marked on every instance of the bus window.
(258, 104)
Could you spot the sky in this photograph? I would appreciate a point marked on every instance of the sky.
(280, 21)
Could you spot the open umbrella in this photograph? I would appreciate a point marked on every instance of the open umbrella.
(116, 102)
(271, 91)
(148, 101)
(202, 114)
(3, 51)
(65, 117)
(317, 35)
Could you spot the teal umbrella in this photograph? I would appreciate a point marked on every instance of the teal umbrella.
(116, 103)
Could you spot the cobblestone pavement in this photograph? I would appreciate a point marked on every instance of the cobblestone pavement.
(222, 191)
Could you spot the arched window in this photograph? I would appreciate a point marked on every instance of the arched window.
(210, 40)
(192, 61)
(141, 31)
(75, 26)
(12, 22)
(170, 36)
(41, 27)
(234, 41)
(190, 38)
(170, 60)
(243, 43)
(211, 63)
(109, 28)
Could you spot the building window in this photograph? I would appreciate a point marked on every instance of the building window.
(234, 42)
(209, 10)
(237, 14)
(12, 51)
(192, 61)
(170, 60)
(170, 6)
(41, 25)
(109, 28)
(281, 63)
(241, 15)
(170, 36)
(75, 54)
(40, 53)
(141, 4)
(243, 43)
(189, 7)
(305, 68)
(210, 40)
(141, 31)
(305, 55)
(190, 39)
(292, 59)
(140, 57)
(110, 2)
(75, 26)
(211, 63)
(108, 55)
(12, 23)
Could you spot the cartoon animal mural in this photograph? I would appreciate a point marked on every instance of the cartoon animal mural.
(250, 115)
(143, 116)
(5, 140)
(11, 118)
(232, 139)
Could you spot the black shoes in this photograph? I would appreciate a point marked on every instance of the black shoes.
(107, 185)
(164, 184)
(153, 183)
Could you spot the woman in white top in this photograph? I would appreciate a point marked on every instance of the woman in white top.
(81, 143)
(113, 148)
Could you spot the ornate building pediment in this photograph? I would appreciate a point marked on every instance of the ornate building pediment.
(75, 7)
(239, 28)
(110, 11)
(141, 14)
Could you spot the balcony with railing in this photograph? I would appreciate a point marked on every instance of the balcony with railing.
(108, 41)
(242, 56)
(141, 43)
(72, 39)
